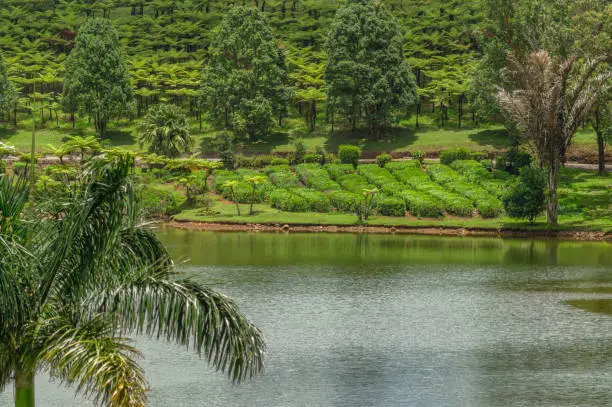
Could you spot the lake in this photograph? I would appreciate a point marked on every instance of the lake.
(396, 320)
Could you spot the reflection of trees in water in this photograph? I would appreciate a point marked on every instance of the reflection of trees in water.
(602, 305)
(577, 374)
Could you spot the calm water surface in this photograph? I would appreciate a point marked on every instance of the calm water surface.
(368, 320)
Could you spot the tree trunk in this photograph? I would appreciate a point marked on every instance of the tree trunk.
(601, 148)
(552, 206)
(24, 388)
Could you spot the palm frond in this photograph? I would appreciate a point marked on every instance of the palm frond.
(102, 366)
(190, 314)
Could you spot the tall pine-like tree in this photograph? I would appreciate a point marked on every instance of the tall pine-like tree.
(244, 86)
(7, 89)
(367, 75)
(97, 80)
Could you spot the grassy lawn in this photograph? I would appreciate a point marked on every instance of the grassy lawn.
(264, 214)
(405, 138)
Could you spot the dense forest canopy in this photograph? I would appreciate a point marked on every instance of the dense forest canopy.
(452, 47)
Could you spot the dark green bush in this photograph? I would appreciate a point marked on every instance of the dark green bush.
(279, 161)
(391, 206)
(318, 201)
(448, 156)
(313, 158)
(337, 171)
(525, 199)
(349, 154)
(300, 151)
(512, 161)
(345, 201)
(287, 201)
(383, 159)
(419, 156)
(159, 202)
(2, 166)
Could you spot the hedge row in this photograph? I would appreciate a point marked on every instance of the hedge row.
(316, 177)
(283, 178)
(354, 183)
(391, 206)
(287, 201)
(488, 205)
(419, 203)
(337, 171)
(317, 201)
(345, 201)
(448, 156)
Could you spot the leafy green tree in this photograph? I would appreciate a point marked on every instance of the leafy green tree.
(244, 86)
(526, 198)
(349, 154)
(82, 145)
(255, 182)
(367, 75)
(72, 290)
(97, 80)
(233, 187)
(165, 129)
(548, 98)
(8, 94)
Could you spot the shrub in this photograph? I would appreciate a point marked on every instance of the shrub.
(19, 168)
(318, 201)
(421, 204)
(62, 172)
(345, 201)
(383, 159)
(300, 151)
(221, 177)
(283, 179)
(224, 145)
(313, 158)
(354, 183)
(287, 201)
(279, 161)
(391, 206)
(419, 156)
(337, 171)
(2, 167)
(512, 161)
(316, 177)
(448, 156)
(526, 197)
(349, 154)
(156, 202)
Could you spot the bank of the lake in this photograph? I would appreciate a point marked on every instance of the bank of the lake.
(382, 320)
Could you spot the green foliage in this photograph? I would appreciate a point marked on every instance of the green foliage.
(8, 94)
(287, 201)
(337, 171)
(345, 201)
(279, 161)
(299, 153)
(316, 177)
(419, 156)
(244, 84)
(318, 201)
(2, 167)
(195, 184)
(97, 79)
(391, 206)
(448, 156)
(225, 146)
(165, 129)
(513, 160)
(314, 158)
(156, 202)
(349, 154)
(364, 37)
(525, 199)
(383, 159)
(283, 178)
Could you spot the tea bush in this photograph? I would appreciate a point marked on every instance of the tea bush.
(349, 154)
(391, 206)
(317, 201)
(287, 201)
(336, 171)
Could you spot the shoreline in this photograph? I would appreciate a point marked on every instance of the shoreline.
(576, 235)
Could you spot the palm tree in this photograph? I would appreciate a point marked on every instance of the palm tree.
(548, 100)
(166, 129)
(72, 289)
